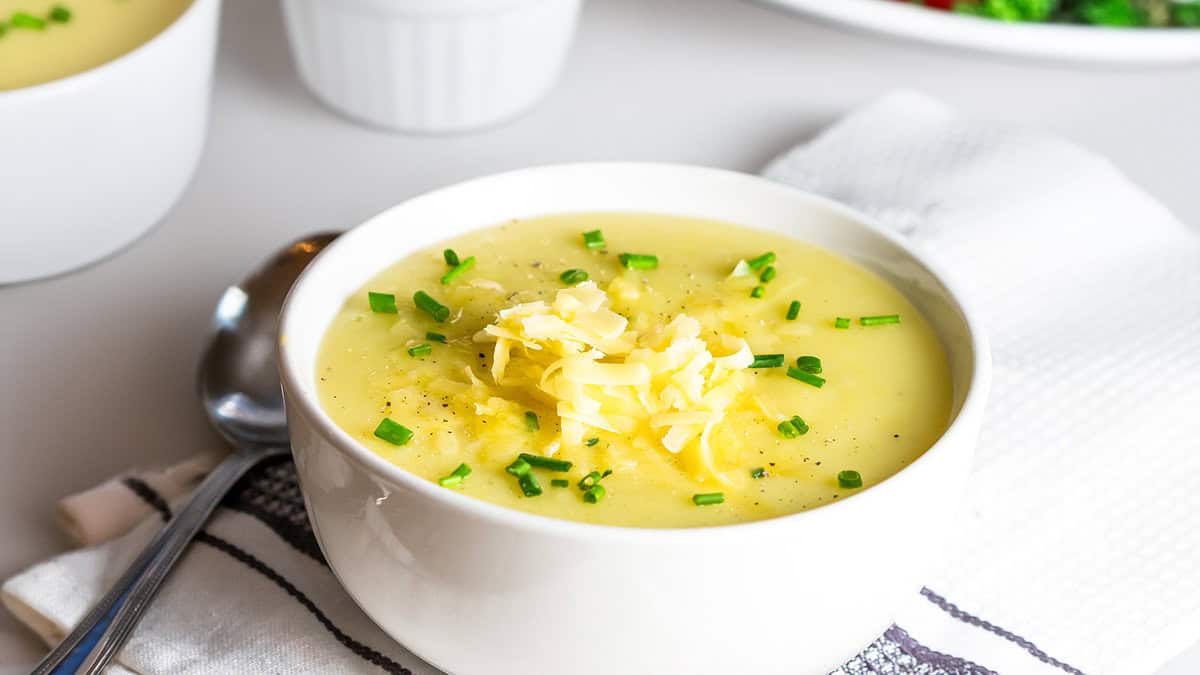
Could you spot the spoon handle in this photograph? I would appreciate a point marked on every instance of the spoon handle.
(100, 634)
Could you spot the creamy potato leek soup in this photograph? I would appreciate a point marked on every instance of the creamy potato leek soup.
(637, 370)
(44, 40)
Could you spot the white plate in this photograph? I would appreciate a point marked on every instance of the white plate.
(1082, 44)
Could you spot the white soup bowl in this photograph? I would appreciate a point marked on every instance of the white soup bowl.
(92, 161)
(476, 588)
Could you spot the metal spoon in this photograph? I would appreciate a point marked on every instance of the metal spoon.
(240, 390)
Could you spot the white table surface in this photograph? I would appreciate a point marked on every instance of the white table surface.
(97, 366)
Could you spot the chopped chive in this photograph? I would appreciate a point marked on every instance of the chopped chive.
(519, 467)
(767, 361)
(436, 337)
(638, 261)
(793, 428)
(793, 310)
(423, 349)
(546, 462)
(560, 482)
(457, 271)
(708, 498)
(60, 14)
(26, 20)
(741, 269)
(529, 485)
(806, 377)
(573, 276)
(531, 421)
(809, 364)
(433, 308)
(393, 432)
(762, 260)
(3, 28)
(758, 472)
(879, 320)
(849, 479)
(381, 303)
(767, 274)
(592, 478)
(591, 441)
(757, 292)
(841, 322)
(593, 239)
(450, 257)
(593, 494)
(455, 477)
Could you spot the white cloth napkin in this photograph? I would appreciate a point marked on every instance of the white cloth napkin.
(1082, 528)
(1079, 546)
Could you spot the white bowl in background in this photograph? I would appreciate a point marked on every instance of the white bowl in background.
(92, 161)
(476, 588)
(1085, 45)
(430, 65)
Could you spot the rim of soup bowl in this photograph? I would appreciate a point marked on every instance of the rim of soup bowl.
(974, 399)
(82, 78)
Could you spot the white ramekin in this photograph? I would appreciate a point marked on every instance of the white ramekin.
(430, 65)
(475, 588)
(90, 162)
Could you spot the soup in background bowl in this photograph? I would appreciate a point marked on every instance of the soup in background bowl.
(479, 574)
(45, 40)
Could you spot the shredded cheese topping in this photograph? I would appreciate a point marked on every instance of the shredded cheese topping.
(669, 386)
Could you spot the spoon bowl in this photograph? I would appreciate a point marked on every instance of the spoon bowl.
(237, 379)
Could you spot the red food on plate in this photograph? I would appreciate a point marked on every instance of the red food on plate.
(935, 4)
